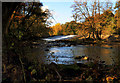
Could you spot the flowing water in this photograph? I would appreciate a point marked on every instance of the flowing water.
(66, 55)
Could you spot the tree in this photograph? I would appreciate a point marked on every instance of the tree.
(70, 28)
(56, 29)
(22, 23)
(107, 25)
(7, 12)
(117, 15)
(86, 12)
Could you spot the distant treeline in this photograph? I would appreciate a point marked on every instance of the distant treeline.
(97, 20)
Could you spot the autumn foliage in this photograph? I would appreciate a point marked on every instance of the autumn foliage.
(92, 20)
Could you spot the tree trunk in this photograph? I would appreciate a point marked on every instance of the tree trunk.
(93, 35)
(97, 35)
(8, 8)
(89, 35)
(23, 70)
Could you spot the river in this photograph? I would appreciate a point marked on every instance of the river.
(66, 54)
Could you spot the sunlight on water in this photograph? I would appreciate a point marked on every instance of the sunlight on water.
(66, 55)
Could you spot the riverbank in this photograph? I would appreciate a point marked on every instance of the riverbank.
(111, 40)
(92, 71)
(37, 71)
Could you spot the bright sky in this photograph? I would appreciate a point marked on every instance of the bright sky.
(61, 9)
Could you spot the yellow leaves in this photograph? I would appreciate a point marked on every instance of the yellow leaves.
(57, 28)
(108, 78)
(81, 57)
(85, 58)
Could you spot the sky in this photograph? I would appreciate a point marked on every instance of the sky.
(61, 9)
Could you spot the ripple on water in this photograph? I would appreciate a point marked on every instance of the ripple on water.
(65, 55)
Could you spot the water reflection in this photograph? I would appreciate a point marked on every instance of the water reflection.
(65, 55)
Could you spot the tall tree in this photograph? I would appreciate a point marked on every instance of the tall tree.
(55, 29)
(86, 12)
(21, 23)
(7, 11)
(117, 6)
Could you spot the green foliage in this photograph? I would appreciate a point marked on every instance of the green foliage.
(33, 71)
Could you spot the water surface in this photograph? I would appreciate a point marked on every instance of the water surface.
(66, 55)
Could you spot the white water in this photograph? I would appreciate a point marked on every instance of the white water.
(65, 55)
(59, 38)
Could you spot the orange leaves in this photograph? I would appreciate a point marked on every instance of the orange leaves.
(19, 17)
(56, 29)
(110, 78)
